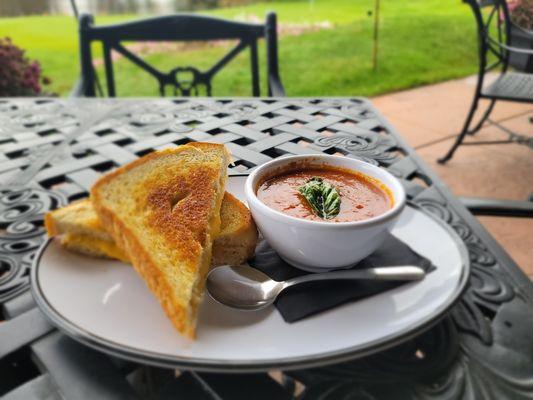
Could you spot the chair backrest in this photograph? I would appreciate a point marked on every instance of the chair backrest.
(494, 26)
(184, 80)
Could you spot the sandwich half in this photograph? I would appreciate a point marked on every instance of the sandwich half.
(80, 230)
(163, 211)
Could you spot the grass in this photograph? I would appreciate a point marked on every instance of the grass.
(421, 42)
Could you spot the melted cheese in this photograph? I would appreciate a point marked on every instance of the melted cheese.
(92, 246)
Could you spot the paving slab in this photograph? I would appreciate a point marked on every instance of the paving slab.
(430, 116)
(439, 110)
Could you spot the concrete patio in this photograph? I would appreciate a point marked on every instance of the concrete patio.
(429, 118)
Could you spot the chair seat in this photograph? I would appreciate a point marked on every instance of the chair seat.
(511, 86)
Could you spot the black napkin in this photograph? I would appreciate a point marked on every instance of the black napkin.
(311, 298)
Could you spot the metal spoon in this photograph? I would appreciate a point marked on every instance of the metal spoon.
(247, 288)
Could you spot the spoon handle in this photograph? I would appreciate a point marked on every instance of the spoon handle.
(400, 273)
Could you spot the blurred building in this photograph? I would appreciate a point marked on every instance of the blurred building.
(11, 8)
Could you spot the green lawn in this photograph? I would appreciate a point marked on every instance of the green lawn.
(422, 41)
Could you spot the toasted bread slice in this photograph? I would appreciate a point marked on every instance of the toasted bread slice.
(163, 210)
(237, 239)
(80, 231)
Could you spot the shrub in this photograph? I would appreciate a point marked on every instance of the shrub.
(19, 76)
(522, 13)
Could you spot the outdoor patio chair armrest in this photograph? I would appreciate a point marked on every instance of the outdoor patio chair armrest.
(520, 50)
(79, 88)
(275, 86)
(498, 208)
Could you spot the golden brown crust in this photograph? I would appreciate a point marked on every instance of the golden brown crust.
(52, 217)
(144, 265)
(245, 220)
(237, 241)
(77, 218)
(50, 225)
(180, 210)
(125, 168)
(180, 200)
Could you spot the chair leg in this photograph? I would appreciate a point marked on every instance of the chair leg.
(463, 133)
(485, 116)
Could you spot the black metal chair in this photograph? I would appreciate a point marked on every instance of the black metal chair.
(495, 29)
(183, 80)
(495, 41)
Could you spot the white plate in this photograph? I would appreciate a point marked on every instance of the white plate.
(105, 305)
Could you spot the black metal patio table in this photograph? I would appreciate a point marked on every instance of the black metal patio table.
(51, 150)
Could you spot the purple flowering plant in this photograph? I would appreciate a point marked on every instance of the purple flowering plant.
(19, 76)
(522, 13)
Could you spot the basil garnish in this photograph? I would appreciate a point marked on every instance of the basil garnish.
(324, 199)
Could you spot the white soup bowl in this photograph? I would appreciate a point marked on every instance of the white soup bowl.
(318, 246)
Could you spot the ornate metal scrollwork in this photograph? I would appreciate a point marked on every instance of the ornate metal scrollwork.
(357, 111)
(21, 221)
(394, 373)
(374, 149)
(487, 289)
(186, 81)
(241, 110)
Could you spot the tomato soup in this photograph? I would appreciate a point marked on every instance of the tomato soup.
(361, 196)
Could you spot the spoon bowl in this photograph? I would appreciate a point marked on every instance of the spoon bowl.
(242, 287)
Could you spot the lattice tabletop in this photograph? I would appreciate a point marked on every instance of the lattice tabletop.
(51, 151)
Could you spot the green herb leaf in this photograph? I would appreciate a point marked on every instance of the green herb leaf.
(324, 199)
